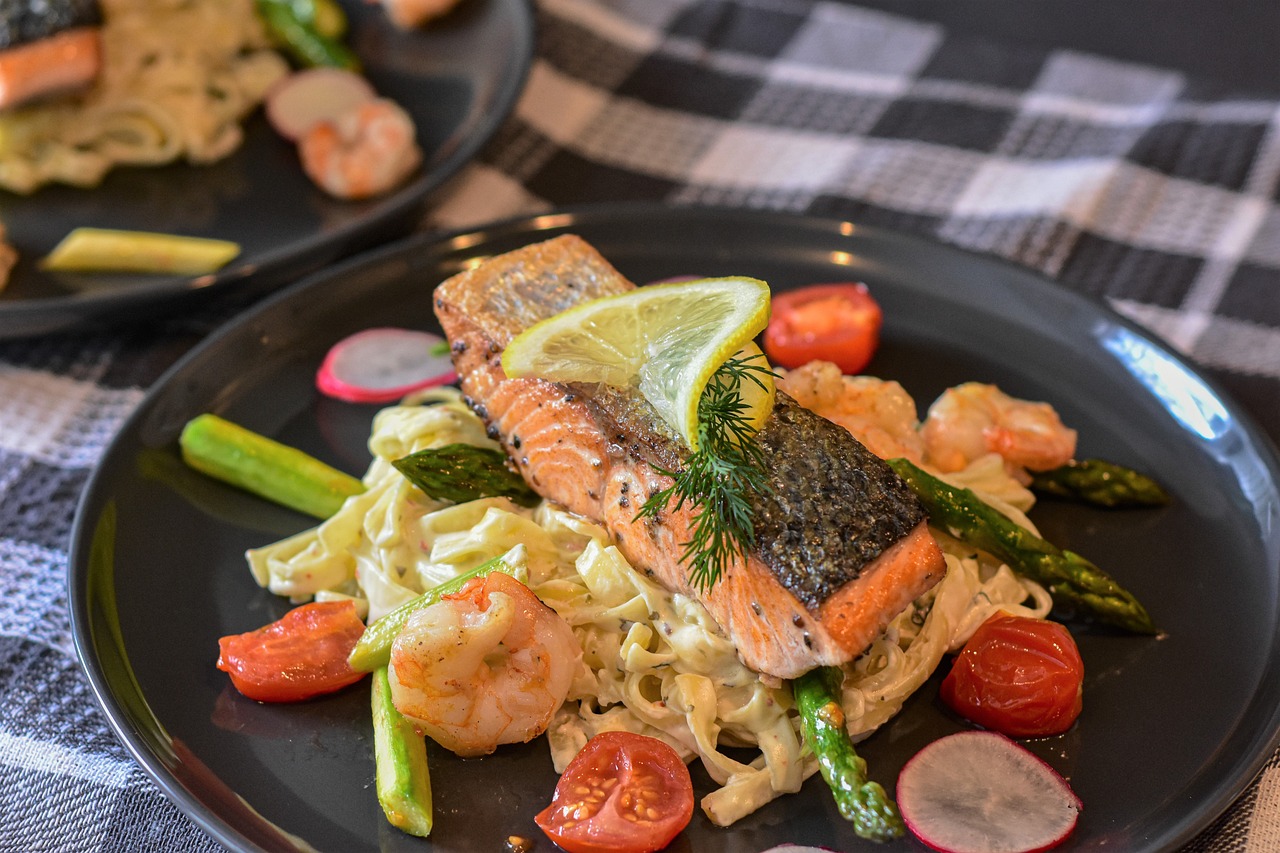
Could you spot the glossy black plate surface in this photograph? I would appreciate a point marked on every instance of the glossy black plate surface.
(458, 78)
(1173, 728)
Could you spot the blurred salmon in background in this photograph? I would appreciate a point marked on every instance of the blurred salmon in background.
(46, 47)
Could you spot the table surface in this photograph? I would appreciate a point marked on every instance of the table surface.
(1234, 42)
(1128, 151)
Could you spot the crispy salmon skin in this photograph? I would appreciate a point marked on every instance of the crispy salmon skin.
(842, 543)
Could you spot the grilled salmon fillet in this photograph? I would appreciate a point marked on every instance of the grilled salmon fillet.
(842, 543)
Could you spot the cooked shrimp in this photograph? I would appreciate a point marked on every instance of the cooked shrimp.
(972, 420)
(879, 413)
(364, 152)
(486, 666)
(408, 14)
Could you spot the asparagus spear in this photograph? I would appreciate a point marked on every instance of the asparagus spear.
(373, 649)
(861, 801)
(1069, 577)
(1099, 482)
(464, 472)
(267, 468)
(295, 25)
(400, 761)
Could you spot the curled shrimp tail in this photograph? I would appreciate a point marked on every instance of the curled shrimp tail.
(972, 420)
(488, 665)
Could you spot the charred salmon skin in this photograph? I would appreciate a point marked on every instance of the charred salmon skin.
(842, 543)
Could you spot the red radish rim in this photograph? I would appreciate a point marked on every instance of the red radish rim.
(914, 801)
(329, 383)
(291, 130)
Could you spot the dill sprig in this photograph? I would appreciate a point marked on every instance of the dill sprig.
(720, 477)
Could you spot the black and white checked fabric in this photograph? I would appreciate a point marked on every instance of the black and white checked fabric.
(1134, 184)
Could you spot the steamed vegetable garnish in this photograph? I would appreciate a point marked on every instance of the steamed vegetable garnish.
(402, 778)
(113, 250)
(382, 365)
(722, 477)
(464, 472)
(839, 323)
(265, 467)
(861, 801)
(1099, 482)
(299, 656)
(373, 649)
(978, 792)
(1017, 676)
(309, 31)
(623, 793)
(1070, 578)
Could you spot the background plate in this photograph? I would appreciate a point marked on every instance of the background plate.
(458, 78)
(1173, 728)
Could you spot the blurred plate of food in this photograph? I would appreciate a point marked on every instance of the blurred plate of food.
(164, 117)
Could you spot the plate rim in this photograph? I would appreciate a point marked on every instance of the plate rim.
(533, 223)
(23, 318)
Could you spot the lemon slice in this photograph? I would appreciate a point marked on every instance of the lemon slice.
(665, 339)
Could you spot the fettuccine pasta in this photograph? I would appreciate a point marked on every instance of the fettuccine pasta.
(178, 78)
(654, 662)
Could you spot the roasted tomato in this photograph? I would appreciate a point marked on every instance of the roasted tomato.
(839, 323)
(301, 655)
(1019, 676)
(623, 793)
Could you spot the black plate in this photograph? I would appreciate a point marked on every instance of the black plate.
(458, 78)
(1173, 729)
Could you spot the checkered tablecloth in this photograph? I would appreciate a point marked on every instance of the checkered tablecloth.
(1155, 192)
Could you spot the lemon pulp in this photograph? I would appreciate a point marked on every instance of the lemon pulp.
(665, 339)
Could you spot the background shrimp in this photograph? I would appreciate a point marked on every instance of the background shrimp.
(971, 420)
(366, 151)
(880, 413)
(486, 666)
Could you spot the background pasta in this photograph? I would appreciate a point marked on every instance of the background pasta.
(178, 79)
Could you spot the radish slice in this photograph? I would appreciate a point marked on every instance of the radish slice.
(299, 101)
(979, 792)
(384, 364)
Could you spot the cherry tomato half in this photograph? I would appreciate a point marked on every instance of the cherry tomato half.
(638, 797)
(1019, 676)
(839, 323)
(301, 655)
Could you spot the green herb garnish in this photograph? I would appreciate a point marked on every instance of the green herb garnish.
(720, 478)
